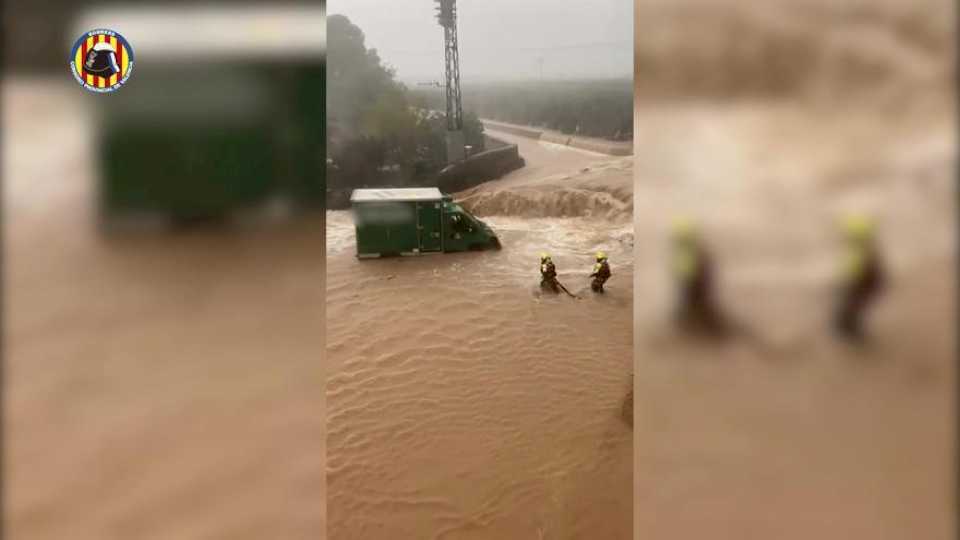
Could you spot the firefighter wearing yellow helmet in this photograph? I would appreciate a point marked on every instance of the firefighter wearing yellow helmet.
(692, 270)
(548, 274)
(601, 273)
(862, 276)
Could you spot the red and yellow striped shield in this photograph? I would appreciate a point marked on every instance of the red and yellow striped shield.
(98, 80)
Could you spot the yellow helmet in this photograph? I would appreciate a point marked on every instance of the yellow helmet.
(858, 227)
(683, 229)
(544, 256)
(601, 256)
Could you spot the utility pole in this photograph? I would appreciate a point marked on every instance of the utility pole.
(447, 17)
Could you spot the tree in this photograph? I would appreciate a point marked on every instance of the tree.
(378, 133)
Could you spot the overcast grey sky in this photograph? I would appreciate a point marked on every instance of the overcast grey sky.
(500, 39)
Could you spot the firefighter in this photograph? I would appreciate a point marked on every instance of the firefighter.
(548, 274)
(862, 277)
(601, 273)
(692, 269)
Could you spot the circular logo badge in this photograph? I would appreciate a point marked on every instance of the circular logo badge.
(101, 60)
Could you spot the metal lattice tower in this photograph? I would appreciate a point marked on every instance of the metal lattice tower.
(447, 16)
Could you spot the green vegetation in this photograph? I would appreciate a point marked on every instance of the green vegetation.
(378, 133)
(599, 108)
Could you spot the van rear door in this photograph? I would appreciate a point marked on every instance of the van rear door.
(429, 223)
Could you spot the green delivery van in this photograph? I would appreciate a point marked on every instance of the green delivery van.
(414, 221)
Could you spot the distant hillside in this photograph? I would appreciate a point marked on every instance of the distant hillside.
(593, 108)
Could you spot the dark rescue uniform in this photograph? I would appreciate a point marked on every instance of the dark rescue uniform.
(864, 280)
(693, 269)
(600, 275)
(548, 276)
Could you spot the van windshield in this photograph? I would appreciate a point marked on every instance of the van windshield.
(462, 220)
(459, 222)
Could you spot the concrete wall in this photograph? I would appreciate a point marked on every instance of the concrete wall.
(490, 143)
(479, 168)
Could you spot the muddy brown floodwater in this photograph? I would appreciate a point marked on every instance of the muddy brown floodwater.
(462, 404)
(782, 432)
(767, 121)
(156, 385)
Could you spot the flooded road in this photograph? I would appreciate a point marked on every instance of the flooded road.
(156, 385)
(781, 431)
(767, 122)
(464, 405)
